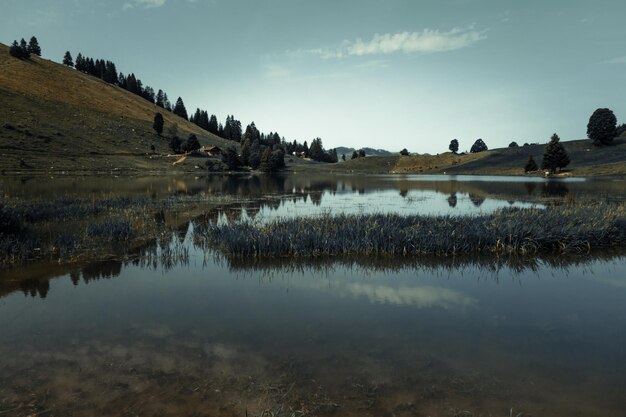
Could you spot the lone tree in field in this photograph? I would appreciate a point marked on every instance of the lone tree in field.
(601, 127)
(33, 46)
(158, 123)
(478, 146)
(180, 110)
(555, 156)
(454, 146)
(403, 152)
(67, 59)
(531, 165)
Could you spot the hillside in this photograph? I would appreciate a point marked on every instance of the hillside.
(586, 160)
(342, 150)
(54, 118)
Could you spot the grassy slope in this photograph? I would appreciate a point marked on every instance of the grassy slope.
(65, 120)
(586, 160)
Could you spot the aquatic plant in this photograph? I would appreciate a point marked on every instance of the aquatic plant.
(511, 230)
(116, 230)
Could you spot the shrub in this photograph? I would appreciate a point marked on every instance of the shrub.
(478, 146)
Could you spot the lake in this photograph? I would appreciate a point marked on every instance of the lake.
(204, 335)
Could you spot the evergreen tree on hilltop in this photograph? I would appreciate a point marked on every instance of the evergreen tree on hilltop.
(80, 62)
(478, 146)
(166, 103)
(555, 156)
(15, 50)
(33, 46)
(601, 128)
(67, 59)
(24, 48)
(20, 50)
(513, 145)
(158, 123)
(454, 146)
(180, 110)
(213, 125)
(160, 100)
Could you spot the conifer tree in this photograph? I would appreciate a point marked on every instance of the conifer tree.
(213, 126)
(180, 110)
(531, 165)
(24, 48)
(555, 156)
(33, 46)
(15, 50)
(160, 101)
(231, 159)
(254, 159)
(67, 59)
(158, 123)
(245, 152)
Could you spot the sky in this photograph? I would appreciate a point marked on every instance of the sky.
(386, 74)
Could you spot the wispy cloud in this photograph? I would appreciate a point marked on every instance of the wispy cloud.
(426, 41)
(146, 4)
(618, 60)
(276, 71)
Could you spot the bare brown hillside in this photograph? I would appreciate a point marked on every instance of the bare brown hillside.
(54, 118)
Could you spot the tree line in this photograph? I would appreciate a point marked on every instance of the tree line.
(22, 50)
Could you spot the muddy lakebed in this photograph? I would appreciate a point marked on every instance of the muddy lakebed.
(179, 329)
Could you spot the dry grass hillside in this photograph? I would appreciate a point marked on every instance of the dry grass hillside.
(54, 118)
(586, 160)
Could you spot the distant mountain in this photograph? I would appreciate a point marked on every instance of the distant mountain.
(368, 151)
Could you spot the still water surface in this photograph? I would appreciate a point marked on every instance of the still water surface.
(377, 337)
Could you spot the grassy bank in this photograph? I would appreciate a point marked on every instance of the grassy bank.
(507, 231)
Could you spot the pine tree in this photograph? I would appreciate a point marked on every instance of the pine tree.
(255, 155)
(555, 156)
(231, 159)
(33, 46)
(16, 51)
(67, 59)
(166, 103)
(245, 152)
(160, 99)
(213, 126)
(158, 123)
(180, 110)
(531, 165)
(24, 48)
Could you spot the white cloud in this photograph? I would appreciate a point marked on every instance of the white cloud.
(146, 4)
(276, 71)
(426, 41)
(618, 60)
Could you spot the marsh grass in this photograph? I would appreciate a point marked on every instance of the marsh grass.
(528, 231)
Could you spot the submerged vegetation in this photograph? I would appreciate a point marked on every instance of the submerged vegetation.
(507, 231)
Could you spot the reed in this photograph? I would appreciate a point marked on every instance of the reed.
(563, 229)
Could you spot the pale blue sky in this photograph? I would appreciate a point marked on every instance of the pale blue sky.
(386, 74)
